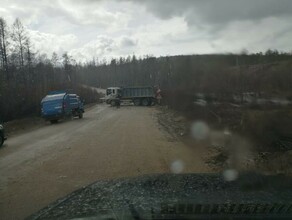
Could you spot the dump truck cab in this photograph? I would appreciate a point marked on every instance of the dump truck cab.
(113, 91)
(113, 95)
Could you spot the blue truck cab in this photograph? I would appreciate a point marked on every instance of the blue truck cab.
(60, 104)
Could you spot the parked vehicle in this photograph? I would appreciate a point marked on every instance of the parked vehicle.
(60, 104)
(143, 95)
(2, 135)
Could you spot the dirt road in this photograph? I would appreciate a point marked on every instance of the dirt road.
(42, 165)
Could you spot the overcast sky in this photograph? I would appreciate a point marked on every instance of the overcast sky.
(103, 29)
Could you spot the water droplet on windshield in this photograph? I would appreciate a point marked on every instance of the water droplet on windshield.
(230, 175)
(200, 130)
(177, 166)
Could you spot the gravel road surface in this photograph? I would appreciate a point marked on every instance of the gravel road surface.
(40, 166)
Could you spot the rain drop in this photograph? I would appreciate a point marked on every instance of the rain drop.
(177, 166)
(230, 175)
(200, 130)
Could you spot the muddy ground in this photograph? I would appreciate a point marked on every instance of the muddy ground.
(43, 164)
(226, 149)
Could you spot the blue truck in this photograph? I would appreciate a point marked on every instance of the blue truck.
(60, 104)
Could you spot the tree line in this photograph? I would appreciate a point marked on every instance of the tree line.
(225, 75)
(27, 75)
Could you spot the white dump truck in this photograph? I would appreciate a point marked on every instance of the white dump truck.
(139, 95)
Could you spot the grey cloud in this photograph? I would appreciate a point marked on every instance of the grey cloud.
(153, 26)
(219, 12)
(78, 13)
(127, 42)
(101, 46)
(52, 43)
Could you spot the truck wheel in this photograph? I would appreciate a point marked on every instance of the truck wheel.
(150, 102)
(80, 115)
(1, 140)
(54, 121)
(145, 102)
(113, 102)
(137, 102)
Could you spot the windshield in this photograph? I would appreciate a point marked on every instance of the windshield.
(129, 91)
(108, 91)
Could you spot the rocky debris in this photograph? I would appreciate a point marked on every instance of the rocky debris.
(219, 160)
(274, 162)
(171, 121)
(179, 119)
(262, 156)
(178, 127)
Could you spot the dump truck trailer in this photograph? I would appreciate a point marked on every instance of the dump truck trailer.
(142, 95)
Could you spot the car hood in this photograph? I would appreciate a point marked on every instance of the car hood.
(171, 196)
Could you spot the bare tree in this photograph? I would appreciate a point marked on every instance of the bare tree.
(19, 36)
(29, 60)
(55, 59)
(67, 60)
(3, 45)
(29, 54)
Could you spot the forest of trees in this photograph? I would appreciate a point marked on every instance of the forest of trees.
(268, 73)
(178, 71)
(26, 75)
